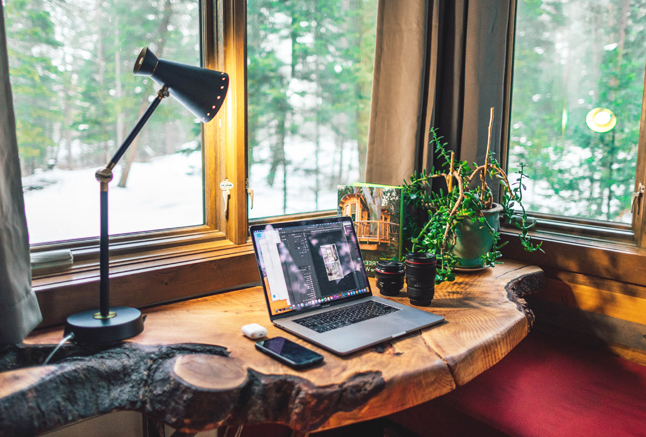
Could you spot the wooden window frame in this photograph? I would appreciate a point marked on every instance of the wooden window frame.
(615, 251)
(161, 266)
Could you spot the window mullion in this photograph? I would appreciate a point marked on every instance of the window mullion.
(234, 119)
(639, 215)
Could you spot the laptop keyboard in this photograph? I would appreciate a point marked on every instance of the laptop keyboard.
(345, 316)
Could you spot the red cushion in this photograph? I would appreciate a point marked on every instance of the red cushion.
(550, 387)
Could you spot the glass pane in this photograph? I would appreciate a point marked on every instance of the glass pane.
(577, 95)
(76, 99)
(309, 82)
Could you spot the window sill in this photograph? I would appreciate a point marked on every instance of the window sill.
(593, 230)
(149, 278)
(149, 269)
(293, 217)
(129, 251)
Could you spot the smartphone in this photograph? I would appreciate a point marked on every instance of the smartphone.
(288, 352)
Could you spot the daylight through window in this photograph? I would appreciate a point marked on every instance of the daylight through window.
(75, 100)
(576, 105)
(310, 69)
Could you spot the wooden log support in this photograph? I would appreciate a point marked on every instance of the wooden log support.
(192, 369)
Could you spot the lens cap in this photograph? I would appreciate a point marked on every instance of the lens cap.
(390, 267)
(421, 258)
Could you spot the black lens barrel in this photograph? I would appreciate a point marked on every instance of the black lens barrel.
(390, 277)
(420, 278)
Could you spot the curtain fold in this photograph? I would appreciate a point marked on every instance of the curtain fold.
(397, 90)
(444, 70)
(19, 311)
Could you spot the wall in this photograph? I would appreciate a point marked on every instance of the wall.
(593, 293)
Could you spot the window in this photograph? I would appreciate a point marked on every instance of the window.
(159, 264)
(76, 99)
(576, 107)
(309, 83)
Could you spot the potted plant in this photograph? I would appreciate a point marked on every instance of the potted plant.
(461, 225)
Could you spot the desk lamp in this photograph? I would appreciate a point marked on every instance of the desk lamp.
(202, 92)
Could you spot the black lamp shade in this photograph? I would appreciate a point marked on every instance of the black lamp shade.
(200, 90)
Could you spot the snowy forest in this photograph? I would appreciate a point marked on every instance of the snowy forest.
(75, 97)
(309, 84)
(572, 56)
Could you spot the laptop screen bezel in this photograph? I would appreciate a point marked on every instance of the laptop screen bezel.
(306, 310)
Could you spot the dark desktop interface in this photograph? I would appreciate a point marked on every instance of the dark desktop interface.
(307, 266)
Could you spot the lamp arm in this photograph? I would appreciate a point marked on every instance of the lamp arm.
(163, 92)
(104, 176)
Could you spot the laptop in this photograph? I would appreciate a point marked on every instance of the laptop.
(316, 287)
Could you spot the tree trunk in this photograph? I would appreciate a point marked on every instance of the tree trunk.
(132, 153)
(119, 94)
(340, 140)
(99, 43)
(67, 133)
(284, 161)
(317, 125)
(623, 22)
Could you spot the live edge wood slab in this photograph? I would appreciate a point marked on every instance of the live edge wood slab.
(192, 368)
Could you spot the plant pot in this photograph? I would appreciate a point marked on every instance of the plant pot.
(474, 239)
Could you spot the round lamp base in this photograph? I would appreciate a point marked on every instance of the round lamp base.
(89, 327)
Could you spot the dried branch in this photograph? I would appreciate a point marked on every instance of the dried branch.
(455, 207)
(450, 181)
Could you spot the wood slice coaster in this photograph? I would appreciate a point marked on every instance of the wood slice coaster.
(192, 368)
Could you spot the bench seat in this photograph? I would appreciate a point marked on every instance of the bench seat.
(544, 387)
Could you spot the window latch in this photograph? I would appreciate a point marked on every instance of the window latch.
(250, 193)
(637, 195)
(226, 186)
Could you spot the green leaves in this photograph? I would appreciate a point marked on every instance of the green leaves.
(71, 72)
(437, 233)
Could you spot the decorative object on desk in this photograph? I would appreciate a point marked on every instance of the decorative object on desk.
(254, 331)
(376, 211)
(202, 92)
(461, 226)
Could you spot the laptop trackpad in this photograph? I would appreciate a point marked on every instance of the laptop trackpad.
(368, 332)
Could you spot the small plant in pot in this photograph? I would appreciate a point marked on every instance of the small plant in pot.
(461, 225)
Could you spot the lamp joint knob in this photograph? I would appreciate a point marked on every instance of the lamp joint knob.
(163, 92)
(104, 175)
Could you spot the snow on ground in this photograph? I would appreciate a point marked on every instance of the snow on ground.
(539, 197)
(167, 193)
(268, 201)
(163, 193)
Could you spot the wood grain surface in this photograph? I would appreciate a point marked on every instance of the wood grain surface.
(193, 369)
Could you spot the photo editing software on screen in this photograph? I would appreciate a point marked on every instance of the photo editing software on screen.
(307, 266)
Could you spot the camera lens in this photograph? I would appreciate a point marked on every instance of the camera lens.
(420, 278)
(390, 277)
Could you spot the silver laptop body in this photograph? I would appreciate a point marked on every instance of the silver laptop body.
(312, 267)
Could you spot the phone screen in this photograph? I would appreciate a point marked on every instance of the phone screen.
(290, 350)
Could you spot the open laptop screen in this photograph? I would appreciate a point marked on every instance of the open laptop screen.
(308, 264)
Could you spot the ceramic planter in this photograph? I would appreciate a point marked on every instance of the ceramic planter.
(474, 238)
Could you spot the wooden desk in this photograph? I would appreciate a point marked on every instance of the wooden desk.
(192, 368)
